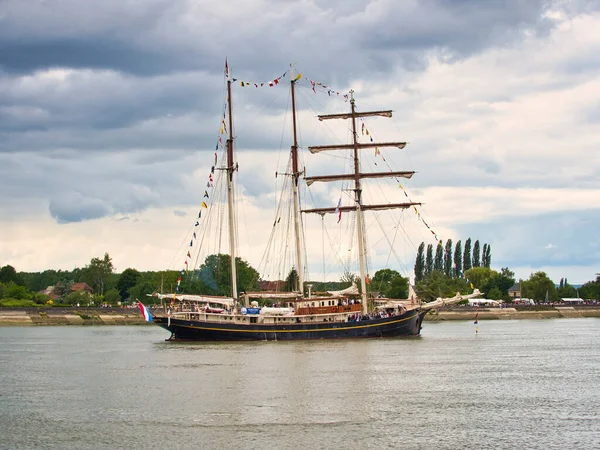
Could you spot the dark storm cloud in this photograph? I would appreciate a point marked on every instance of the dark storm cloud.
(116, 131)
(166, 37)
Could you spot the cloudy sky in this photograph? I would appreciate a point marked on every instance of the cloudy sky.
(109, 116)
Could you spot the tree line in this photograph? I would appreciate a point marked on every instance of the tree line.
(212, 278)
(452, 262)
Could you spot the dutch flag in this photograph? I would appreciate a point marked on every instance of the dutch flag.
(145, 312)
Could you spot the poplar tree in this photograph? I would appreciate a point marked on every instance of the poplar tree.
(458, 259)
(476, 254)
(438, 262)
(487, 256)
(420, 263)
(429, 260)
(448, 258)
(467, 256)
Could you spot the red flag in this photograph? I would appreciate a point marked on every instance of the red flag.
(189, 256)
(226, 68)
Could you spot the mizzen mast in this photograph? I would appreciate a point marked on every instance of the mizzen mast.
(357, 176)
(230, 200)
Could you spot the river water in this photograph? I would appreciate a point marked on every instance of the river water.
(514, 384)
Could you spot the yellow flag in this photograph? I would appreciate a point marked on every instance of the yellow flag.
(472, 287)
(204, 205)
(298, 77)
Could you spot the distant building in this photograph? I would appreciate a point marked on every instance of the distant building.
(81, 287)
(515, 291)
(50, 291)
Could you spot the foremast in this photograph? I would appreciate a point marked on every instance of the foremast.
(296, 197)
(230, 192)
(357, 176)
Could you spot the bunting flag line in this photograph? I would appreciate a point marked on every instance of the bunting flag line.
(257, 84)
(365, 131)
(324, 88)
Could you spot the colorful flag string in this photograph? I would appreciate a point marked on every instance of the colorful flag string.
(270, 83)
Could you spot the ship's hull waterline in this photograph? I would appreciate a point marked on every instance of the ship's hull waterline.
(407, 324)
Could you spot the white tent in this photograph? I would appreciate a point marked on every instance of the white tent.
(483, 301)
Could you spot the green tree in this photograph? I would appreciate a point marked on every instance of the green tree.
(495, 294)
(565, 290)
(420, 263)
(493, 284)
(291, 281)
(479, 276)
(16, 291)
(448, 258)
(112, 297)
(398, 287)
(128, 279)
(8, 274)
(98, 273)
(382, 280)
(458, 259)
(476, 254)
(487, 256)
(78, 298)
(438, 262)
(140, 292)
(591, 289)
(467, 256)
(429, 260)
(437, 285)
(506, 281)
(537, 285)
(216, 274)
(62, 288)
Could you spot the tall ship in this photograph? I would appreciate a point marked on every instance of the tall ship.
(299, 314)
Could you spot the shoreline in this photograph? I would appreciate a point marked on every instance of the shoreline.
(515, 313)
(132, 316)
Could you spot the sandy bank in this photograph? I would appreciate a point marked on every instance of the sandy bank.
(70, 316)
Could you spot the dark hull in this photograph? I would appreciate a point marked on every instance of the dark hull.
(408, 324)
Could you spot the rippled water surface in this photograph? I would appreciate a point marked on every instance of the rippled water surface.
(516, 384)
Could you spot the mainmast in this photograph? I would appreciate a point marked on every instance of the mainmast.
(357, 176)
(230, 169)
(296, 198)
